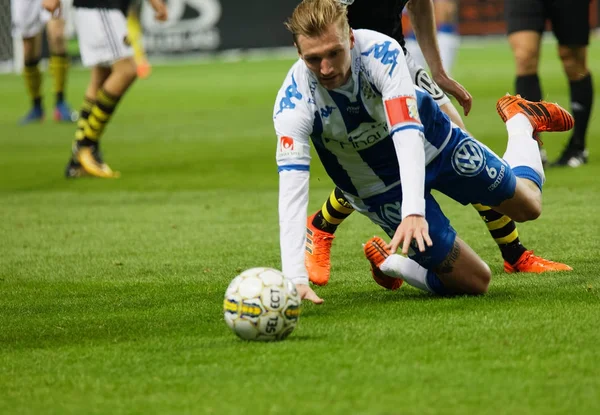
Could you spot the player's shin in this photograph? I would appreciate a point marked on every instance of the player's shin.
(504, 231)
(59, 66)
(84, 114)
(522, 152)
(334, 211)
(98, 117)
(33, 81)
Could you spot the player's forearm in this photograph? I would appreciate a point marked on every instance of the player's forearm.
(293, 203)
(411, 159)
(422, 19)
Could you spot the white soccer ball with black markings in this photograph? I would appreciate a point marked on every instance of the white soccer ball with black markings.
(261, 304)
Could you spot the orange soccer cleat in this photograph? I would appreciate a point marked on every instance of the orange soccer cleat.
(376, 252)
(544, 116)
(317, 256)
(528, 262)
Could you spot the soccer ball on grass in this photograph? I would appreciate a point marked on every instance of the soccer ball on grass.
(261, 304)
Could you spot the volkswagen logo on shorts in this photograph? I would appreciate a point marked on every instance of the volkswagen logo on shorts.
(468, 159)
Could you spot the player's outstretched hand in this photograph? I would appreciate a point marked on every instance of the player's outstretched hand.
(51, 5)
(161, 12)
(451, 87)
(307, 293)
(412, 227)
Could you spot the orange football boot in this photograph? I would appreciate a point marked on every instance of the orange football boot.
(544, 116)
(528, 262)
(317, 256)
(376, 253)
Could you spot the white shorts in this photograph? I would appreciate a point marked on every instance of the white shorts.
(422, 79)
(102, 35)
(28, 18)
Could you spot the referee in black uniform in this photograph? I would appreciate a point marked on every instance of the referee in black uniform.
(526, 21)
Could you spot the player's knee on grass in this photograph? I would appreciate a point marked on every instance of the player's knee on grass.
(463, 271)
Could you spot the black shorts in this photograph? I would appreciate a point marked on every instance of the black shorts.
(570, 19)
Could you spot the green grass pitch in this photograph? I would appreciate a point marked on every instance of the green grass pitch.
(111, 290)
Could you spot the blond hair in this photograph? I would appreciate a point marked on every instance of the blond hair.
(312, 18)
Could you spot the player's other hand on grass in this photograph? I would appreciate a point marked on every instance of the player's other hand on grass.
(161, 12)
(412, 227)
(451, 87)
(51, 5)
(307, 293)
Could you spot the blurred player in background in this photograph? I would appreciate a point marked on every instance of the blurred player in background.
(105, 47)
(386, 145)
(29, 19)
(134, 28)
(385, 16)
(446, 18)
(526, 21)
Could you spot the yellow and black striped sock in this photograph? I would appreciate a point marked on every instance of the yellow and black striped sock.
(333, 212)
(504, 231)
(33, 81)
(59, 66)
(97, 119)
(84, 114)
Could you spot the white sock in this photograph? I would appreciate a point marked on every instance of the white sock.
(410, 271)
(522, 149)
(448, 43)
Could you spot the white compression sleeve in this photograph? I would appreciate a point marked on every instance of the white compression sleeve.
(293, 203)
(411, 159)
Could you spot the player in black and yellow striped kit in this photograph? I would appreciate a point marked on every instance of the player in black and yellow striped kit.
(29, 20)
(105, 47)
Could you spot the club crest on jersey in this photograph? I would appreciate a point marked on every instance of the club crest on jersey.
(382, 52)
(291, 92)
(468, 159)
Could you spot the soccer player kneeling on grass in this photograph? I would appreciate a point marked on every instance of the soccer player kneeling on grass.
(386, 145)
(103, 42)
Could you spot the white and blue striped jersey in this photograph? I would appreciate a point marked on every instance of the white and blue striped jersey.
(373, 134)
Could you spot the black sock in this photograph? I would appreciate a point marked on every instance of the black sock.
(528, 86)
(582, 98)
(319, 222)
(511, 252)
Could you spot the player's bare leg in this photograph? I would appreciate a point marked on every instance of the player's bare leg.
(59, 67)
(32, 51)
